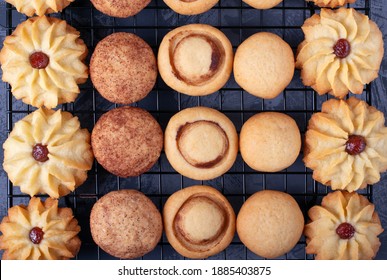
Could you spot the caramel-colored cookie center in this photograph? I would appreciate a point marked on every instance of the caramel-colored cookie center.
(203, 144)
(200, 222)
(196, 58)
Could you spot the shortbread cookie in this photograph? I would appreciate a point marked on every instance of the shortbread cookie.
(270, 223)
(346, 144)
(39, 231)
(270, 141)
(331, 3)
(195, 59)
(342, 52)
(127, 141)
(126, 224)
(345, 227)
(262, 4)
(47, 152)
(201, 143)
(191, 7)
(199, 222)
(39, 7)
(264, 65)
(123, 68)
(43, 61)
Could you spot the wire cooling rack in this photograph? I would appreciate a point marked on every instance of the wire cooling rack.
(238, 21)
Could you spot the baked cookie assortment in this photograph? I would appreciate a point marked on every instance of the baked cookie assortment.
(47, 152)
(123, 68)
(127, 141)
(43, 61)
(331, 3)
(191, 7)
(262, 4)
(39, 7)
(201, 143)
(270, 141)
(120, 8)
(342, 52)
(270, 223)
(126, 224)
(345, 227)
(39, 231)
(345, 144)
(264, 65)
(199, 222)
(195, 59)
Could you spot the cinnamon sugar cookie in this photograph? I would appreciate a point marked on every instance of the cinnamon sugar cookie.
(120, 8)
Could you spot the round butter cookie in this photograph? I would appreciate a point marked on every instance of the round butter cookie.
(191, 7)
(342, 51)
(123, 68)
(345, 227)
(47, 152)
(39, 231)
(127, 141)
(262, 4)
(331, 3)
(126, 224)
(264, 65)
(195, 59)
(270, 141)
(120, 8)
(199, 222)
(270, 223)
(39, 7)
(346, 144)
(43, 61)
(201, 143)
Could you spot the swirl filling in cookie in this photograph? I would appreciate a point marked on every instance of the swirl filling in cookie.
(203, 144)
(196, 58)
(191, 223)
(342, 52)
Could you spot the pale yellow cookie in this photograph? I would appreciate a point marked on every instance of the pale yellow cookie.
(195, 59)
(201, 143)
(264, 65)
(191, 7)
(331, 3)
(199, 221)
(270, 223)
(262, 4)
(270, 141)
(39, 7)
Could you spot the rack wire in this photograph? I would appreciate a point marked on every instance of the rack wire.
(238, 21)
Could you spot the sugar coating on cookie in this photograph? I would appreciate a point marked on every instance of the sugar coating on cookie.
(270, 141)
(191, 7)
(270, 223)
(43, 61)
(39, 231)
(123, 68)
(342, 51)
(262, 4)
(127, 141)
(201, 143)
(126, 224)
(264, 65)
(345, 227)
(199, 221)
(120, 8)
(39, 7)
(47, 152)
(195, 59)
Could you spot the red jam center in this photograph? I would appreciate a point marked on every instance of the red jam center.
(36, 235)
(355, 145)
(345, 231)
(342, 48)
(40, 152)
(39, 60)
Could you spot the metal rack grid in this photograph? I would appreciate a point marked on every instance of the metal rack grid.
(238, 21)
